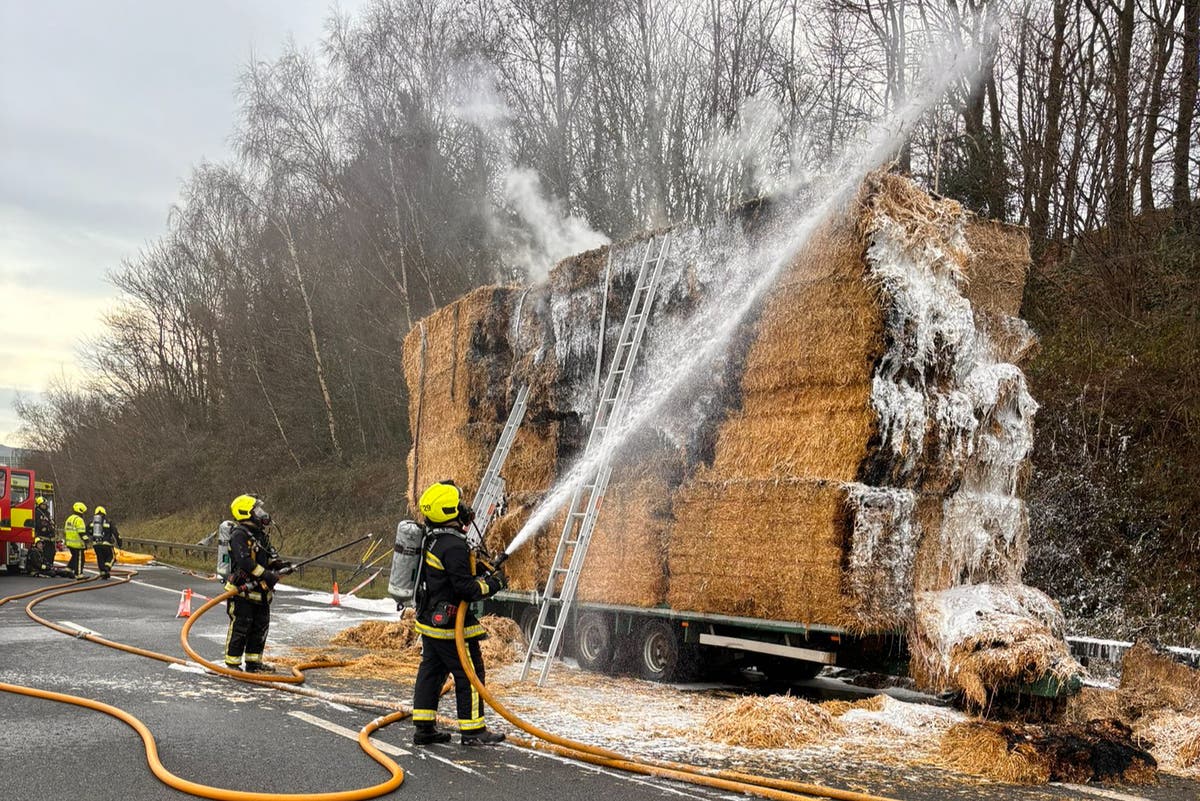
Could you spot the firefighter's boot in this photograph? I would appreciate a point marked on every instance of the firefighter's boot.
(427, 734)
(482, 737)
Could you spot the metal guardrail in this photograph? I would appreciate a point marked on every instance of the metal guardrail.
(171, 548)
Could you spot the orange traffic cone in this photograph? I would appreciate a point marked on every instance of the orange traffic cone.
(336, 600)
(185, 603)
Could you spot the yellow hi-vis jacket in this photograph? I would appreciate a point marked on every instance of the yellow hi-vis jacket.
(73, 532)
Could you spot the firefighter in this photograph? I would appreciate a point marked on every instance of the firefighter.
(449, 575)
(255, 568)
(76, 539)
(43, 539)
(104, 537)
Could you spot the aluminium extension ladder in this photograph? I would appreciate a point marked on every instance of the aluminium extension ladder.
(490, 496)
(559, 592)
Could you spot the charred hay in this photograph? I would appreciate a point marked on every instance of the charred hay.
(1101, 751)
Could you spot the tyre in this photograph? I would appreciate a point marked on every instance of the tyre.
(527, 620)
(594, 641)
(662, 655)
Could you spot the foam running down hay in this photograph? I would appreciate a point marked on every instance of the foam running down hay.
(868, 429)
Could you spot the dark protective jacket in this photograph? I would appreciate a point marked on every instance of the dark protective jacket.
(250, 553)
(43, 523)
(448, 578)
(104, 531)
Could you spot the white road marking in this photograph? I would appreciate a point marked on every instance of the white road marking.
(350, 734)
(167, 589)
(81, 629)
(1096, 791)
(427, 753)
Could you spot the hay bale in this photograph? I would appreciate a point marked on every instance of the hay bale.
(998, 265)
(456, 365)
(777, 721)
(529, 566)
(1155, 674)
(980, 638)
(878, 568)
(627, 554)
(820, 432)
(776, 441)
(801, 523)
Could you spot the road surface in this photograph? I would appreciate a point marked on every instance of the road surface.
(217, 731)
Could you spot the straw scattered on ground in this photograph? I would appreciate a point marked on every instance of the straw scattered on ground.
(393, 649)
(777, 721)
(838, 707)
(980, 750)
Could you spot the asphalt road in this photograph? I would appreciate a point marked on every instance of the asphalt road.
(217, 731)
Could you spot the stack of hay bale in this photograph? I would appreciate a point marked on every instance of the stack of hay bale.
(857, 456)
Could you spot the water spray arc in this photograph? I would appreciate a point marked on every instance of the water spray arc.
(710, 330)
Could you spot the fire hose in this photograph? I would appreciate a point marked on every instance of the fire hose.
(157, 768)
(780, 789)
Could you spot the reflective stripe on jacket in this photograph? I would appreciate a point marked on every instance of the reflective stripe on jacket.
(450, 576)
(73, 531)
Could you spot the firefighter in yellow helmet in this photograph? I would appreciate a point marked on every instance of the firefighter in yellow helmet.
(255, 568)
(41, 558)
(105, 538)
(75, 536)
(447, 576)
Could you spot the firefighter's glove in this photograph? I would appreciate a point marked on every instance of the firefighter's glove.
(270, 578)
(497, 580)
(276, 563)
(247, 587)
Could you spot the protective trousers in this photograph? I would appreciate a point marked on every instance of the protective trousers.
(248, 625)
(47, 555)
(104, 557)
(76, 562)
(439, 659)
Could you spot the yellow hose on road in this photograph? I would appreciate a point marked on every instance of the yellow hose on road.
(297, 674)
(165, 776)
(779, 789)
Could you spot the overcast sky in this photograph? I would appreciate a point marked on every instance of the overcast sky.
(105, 107)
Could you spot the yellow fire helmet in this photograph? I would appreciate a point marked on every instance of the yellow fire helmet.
(40, 500)
(100, 510)
(242, 507)
(440, 502)
(80, 508)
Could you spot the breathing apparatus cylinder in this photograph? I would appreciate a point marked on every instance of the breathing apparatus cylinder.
(97, 528)
(224, 563)
(406, 562)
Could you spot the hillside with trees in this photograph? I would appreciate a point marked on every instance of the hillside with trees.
(427, 147)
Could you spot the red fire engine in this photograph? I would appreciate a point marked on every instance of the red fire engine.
(19, 489)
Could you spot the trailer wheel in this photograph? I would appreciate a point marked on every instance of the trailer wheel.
(663, 656)
(594, 641)
(527, 620)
